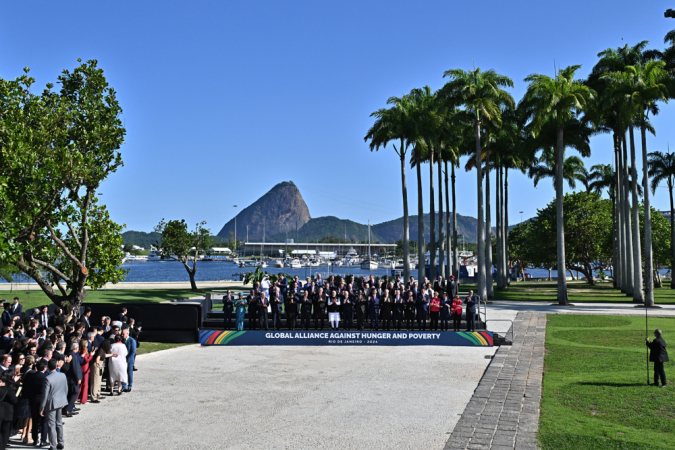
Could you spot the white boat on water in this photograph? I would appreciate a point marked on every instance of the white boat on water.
(296, 264)
(279, 264)
(369, 264)
(134, 259)
(262, 264)
(154, 256)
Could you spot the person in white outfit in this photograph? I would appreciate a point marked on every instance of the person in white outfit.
(118, 365)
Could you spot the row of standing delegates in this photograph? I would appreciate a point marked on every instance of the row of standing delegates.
(393, 310)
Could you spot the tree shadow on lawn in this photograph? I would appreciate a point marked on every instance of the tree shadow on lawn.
(605, 383)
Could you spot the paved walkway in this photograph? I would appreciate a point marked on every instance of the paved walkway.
(504, 410)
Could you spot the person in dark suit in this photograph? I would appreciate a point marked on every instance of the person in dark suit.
(263, 319)
(74, 377)
(439, 285)
(658, 355)
(446, 305)
(252, 301)
(386, 308)
(228, 307)
(291, 309)
(471, 302)
(16, 308)
(8, 396)
(361, 309)
(397, 310)
(320, 303)
(422, 304)
(53, 400)
(347, 311)
(34, 382)
(277, 301)
(6, 315)
(374, 309)
(43, 318)
(306, 310)
(410, 311)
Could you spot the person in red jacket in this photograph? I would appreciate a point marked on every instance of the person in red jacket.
(456, 312)
(435, 308)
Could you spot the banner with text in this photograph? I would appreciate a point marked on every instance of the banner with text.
(470, 339)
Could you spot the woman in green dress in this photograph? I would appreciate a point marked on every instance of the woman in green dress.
(240, 309)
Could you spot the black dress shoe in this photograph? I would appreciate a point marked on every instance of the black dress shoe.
(59, 447)
(95, 401)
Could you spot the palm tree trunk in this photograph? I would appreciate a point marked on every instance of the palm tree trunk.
(638, 296)
(441, 236)
(507, 259)
(560, 230)
(627, 226)
(498, 223)
(649, 265)
(672, 232)
(447, 221)
(480, 231)
(488, 230)
(420, 220)
(406, 218)
(432, 217)
(617, 270)
(455, 248)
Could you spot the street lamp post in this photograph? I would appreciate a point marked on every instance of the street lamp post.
(235, 228)
(521, 217)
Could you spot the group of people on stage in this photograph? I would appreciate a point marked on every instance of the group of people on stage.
(50, 363)
(384, 305)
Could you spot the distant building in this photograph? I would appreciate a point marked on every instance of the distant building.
(219, 251)
(312, 248)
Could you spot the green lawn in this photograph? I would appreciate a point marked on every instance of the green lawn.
(595, 394)
(32, 299)
(151, 347)
(577, 291)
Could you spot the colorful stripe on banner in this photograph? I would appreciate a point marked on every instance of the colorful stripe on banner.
(342, 337)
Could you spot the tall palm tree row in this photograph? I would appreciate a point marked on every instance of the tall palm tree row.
(662, 168)
(473, 115)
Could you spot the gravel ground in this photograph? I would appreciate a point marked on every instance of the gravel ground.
(286, 397)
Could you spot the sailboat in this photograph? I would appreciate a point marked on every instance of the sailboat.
(369, 264)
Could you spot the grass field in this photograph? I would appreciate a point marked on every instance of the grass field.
(33, 299)
(595, 394)
(577, 291)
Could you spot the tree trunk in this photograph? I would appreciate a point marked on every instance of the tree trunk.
(672, 232)
(615, 233)
(191, 273)
(627, 226)
(406, 219)
(618, 271)
(441, 235)
(447, 222)
(507, 257)
(455, 247)
(498, 223)
(638, 296)
(420, 220)
(480, 231)
(488, 229)
(649, 266)
(432, 217)
(560, 227)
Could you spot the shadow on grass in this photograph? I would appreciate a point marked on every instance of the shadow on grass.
(604, 383)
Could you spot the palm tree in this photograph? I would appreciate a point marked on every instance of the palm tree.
(556, 100)
(481, 95)
(390, 125)
(662, 167)
(573, 170)
(640, 87)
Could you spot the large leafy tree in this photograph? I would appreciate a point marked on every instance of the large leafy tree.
(180, 244)
(662, 168)
(556, 100)
(481, 94)
(56, 147)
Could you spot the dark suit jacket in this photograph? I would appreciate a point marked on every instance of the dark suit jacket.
(98, 340)
(18, 311)
(471, 303)
(658, 351)
(34, 385)
(74, 370)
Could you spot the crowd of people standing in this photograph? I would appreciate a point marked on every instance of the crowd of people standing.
(51, 363)
(367, 302)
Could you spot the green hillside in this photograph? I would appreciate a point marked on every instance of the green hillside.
(329, 227)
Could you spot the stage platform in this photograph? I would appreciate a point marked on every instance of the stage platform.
(208, 337)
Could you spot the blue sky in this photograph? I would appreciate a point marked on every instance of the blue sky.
(222, 100)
